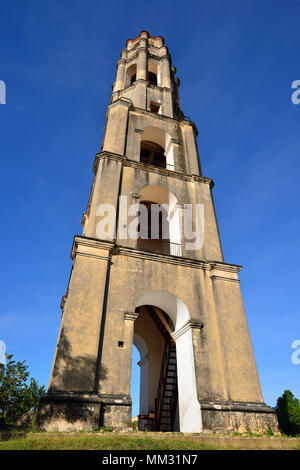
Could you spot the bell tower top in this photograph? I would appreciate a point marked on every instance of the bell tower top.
(157, 41)
(146, 77)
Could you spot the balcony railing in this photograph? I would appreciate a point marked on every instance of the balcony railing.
(164, 247)
(166, 166)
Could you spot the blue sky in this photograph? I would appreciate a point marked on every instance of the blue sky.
(236, 62)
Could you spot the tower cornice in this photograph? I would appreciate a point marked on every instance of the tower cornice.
(149, 168)
(186, 121)
(157, 55)
(114, 249)
(131, 41)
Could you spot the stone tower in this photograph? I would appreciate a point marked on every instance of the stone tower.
(158, 281)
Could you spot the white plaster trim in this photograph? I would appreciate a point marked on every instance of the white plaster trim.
(221, 278)
(132, 316)
(143, 361)
(187, 326)
(190, 417)
(141, 346)
(89, 255)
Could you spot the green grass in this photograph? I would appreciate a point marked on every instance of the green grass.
(108, 440)
(53, 441)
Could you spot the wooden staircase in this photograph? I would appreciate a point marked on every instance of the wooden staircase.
(167, 393)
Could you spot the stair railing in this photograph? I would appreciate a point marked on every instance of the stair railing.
(173, 401)
(161, 386)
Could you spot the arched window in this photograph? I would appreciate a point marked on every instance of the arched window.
(159, 221)
(157, 148)
(153, 72)
(154, 228)
(130, 75)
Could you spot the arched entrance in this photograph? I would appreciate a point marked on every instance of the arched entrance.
(164, 325)
(153, 337)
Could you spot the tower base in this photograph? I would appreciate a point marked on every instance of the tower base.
(77, 412)
(239, 417)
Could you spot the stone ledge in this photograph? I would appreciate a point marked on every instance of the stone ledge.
(116, 249)
(178, 260)
(150, 168)
(89, 242)
(237, 406)
(86, 397)
(221, 278)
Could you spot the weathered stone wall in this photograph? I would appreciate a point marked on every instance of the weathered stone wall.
(68, 416)
(222, 373)
(239, 421)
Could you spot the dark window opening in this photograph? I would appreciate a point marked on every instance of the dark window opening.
(152, 236)
(154, 107)
(152, 78)
(154, 226)
(152, 154)
(133, 78)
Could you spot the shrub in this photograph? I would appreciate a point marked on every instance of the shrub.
(288, 414)
(16, 396)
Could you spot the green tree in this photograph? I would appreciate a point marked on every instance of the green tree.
(288, 413)
(16, 395)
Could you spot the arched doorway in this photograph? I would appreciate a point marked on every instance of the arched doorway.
(153, 336)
